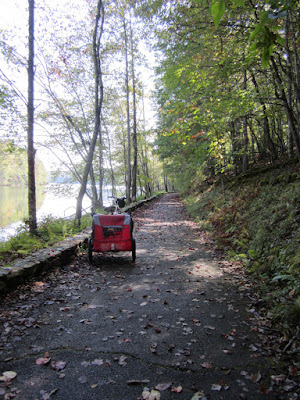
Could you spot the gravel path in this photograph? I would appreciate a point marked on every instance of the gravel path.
(176, 324)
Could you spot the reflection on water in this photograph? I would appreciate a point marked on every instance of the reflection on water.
(14, 204)
(60, 201)
(57, 200)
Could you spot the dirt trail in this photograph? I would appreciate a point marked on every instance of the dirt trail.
(177, 324)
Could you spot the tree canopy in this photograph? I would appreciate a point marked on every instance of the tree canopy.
(226, 93)
(228, 85)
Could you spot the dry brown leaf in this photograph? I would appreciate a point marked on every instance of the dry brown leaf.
(43, 360)
(177, 389)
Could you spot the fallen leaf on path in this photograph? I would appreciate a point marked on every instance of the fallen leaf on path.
(252, 347)
(58, 365)
(153, 395)
(85, 364)
(163, 386)
(256, 377)
(216, 386)
(122, 361)
(278, 378)
(206, 365)
(226, 371)
(198, 396)
(64, 309)
(46, 396)
(212, 328)
(39, 287)
(227, 351)
(177, 389)
(43, 360)
(98, 362)
(92, 306)
(8, 376)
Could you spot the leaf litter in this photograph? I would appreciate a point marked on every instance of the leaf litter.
(17, 322)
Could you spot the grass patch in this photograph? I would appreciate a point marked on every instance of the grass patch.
(50, 231)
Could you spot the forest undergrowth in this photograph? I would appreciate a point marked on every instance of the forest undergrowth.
(255, 219)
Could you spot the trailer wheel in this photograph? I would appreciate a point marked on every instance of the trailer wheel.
(90, 250)
(133, 249)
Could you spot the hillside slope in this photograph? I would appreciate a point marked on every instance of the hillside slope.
(255, 218)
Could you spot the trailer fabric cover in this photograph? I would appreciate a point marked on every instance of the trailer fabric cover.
(112, 232)
(111, 220)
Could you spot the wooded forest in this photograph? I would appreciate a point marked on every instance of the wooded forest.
(226, 90)
(14, 168)
(228, 95)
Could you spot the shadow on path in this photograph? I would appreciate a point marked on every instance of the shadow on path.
(173, 325)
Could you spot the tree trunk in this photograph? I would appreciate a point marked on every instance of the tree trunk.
(245, 133)
(289, 89)
(97, 34)
(235, 159)
(128, 181)
(30, 128)
(267, 141)
(112, 175)
(94, 190)
(289, 111)
(134, 136)
(101, 169)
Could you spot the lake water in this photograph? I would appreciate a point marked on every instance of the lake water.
(57, 200)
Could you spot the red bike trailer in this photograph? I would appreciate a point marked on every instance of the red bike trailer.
(111, 233)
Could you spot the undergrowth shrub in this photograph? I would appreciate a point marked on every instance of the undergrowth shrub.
(256, 221)
(50, 231)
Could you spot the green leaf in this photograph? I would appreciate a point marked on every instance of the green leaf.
(239, 3)
(217, 10)
(282, 278)
(265, 57)
(256, 31)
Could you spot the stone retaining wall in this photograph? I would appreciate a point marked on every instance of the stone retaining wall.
(46, 259)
